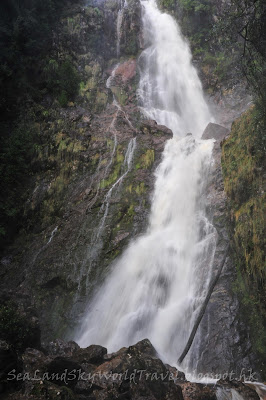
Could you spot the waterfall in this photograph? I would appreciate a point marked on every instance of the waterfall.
(170, 90)
(155, 288)
(52, 235)
(119, 21)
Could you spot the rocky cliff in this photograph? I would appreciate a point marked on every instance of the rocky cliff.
(92, 172)
(90, 189)
(243, 172)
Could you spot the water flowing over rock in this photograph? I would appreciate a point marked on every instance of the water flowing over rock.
(221, 344)
(179, 237)
(186, 236)
(127, 221)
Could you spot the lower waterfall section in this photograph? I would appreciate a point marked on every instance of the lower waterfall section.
(156, 287)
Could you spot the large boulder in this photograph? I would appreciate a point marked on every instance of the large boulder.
(215, 131)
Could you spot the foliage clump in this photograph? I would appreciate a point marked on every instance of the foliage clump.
(242, 163)
(62, 80)
(30, 69)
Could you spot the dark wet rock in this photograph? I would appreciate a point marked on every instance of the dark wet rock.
(35, 364)
(44, 391)
(197, 391)
(134, 372)
(93, 354)
(151, 127)
(61, 365)
(19, 325)
(130, 373)
(245, 391)
(34, 360)
(62, 348)
(179, 376)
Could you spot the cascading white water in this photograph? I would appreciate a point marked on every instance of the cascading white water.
(155, 288)
(230, 394)
(119, 21)
(170, 90)
(52, 235)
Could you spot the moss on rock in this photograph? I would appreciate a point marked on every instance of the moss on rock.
(242, 163)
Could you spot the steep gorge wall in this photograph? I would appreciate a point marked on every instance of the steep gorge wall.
(243, 171)
(86, 197)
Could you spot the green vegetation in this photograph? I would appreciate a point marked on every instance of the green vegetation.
(245, 23)
(26, 39)
(242, 162)
(62, 80)
(243, 165)
(30, 68)
(196, 6)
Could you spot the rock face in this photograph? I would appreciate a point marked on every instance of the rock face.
(221, 344)
(93, 172)
(243, 163)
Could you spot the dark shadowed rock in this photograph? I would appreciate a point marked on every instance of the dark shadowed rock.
(61, 348)
(63, 365)
(8, 362)
(93, 354)
(130, 373)
(8, 358)
(33, 360)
